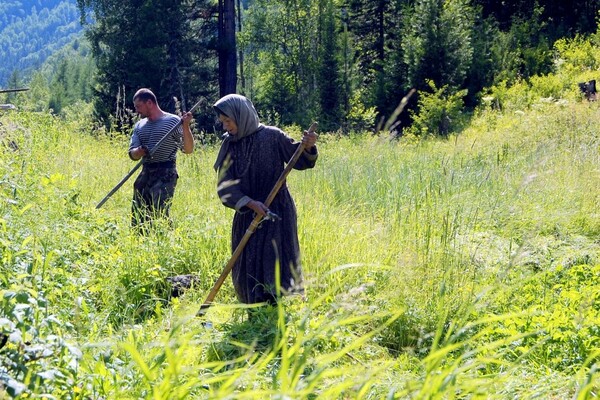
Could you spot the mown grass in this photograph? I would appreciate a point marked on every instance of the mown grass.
(465, 267)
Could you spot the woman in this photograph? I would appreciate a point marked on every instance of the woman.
(251, 159)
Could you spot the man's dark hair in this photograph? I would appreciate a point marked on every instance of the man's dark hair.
(145, 95)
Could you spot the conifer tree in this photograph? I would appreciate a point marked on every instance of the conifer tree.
(329, 69)
(438, 45)
(148, 43)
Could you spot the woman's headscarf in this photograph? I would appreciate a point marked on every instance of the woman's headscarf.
(242, 111)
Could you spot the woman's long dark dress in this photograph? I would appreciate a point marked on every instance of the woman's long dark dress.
(254, 164)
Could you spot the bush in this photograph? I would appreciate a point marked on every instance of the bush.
(360, 117)
(562, 339)
(34, 355)
(440, 112)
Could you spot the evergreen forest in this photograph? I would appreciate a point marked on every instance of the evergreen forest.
(30, 32)
(346, 63)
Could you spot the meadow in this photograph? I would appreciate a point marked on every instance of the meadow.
(458, 267)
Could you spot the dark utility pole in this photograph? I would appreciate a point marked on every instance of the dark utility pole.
(227, 48)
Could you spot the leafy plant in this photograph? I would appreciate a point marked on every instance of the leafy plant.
(439, 112)
(36, 355)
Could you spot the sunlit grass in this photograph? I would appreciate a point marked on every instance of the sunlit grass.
(431, 266)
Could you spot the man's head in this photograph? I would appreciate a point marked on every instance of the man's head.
(144, 102)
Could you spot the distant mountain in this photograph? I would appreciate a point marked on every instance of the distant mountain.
(31, 31)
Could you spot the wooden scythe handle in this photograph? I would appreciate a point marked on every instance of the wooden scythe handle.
(253, 225)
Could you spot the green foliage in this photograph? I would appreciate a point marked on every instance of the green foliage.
(329, 71)
(36, 356)
(281, 41)
(31, 31)
(575, 61)
(561, 310)
(577, 56)
(360, 118)
(524, 50)
(448, 267)
(39, 93)
(134, 49)
(514, 97)
(64, 79)
(301, 61)
(440, 112)
(372, 27)
(406, 253)
(438, 46)
(432, 280)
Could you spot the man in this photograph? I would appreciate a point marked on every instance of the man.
(155, 186)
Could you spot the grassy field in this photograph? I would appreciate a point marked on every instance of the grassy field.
(466, 267)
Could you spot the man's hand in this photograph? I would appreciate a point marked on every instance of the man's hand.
(187, 118)
(139, 152)
(188, 139)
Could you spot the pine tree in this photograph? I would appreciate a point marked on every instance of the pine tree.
(329, 68)
(370, 22)
(14, 82)
(149, 43)
(438, 46)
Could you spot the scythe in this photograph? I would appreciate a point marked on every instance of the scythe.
(139, 164)
(253, 225)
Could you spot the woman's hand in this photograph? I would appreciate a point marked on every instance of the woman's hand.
(309, 139)
(258, 207)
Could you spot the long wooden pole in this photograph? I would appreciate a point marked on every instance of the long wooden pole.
(13, 90)
(253, 225)
(139, 164)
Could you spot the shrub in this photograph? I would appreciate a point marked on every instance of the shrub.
(439, 112)
(35, 357)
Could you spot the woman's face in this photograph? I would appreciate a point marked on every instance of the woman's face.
(228, 124)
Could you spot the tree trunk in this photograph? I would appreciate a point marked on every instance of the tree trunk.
(227, 48)
(241, 52)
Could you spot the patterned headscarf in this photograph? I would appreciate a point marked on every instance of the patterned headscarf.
(242, 111)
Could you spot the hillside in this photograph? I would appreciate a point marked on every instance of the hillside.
(31, 31)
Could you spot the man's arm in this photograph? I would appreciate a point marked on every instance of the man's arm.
(136, 150)
(188, 139)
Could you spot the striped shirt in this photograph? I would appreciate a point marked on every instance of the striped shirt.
(149, 133)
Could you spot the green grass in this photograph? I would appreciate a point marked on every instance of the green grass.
(465, 267)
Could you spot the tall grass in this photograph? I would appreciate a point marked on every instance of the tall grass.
(458, 268)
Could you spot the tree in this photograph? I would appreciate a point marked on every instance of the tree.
(282, 43)
(562, 18)
(329, 69)
(149, 43)
(14, 82)
(227, 48)
(39, 93)
(29, 36)
(371, 22)
(59, 89)
(395, 71)
(438, 45)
